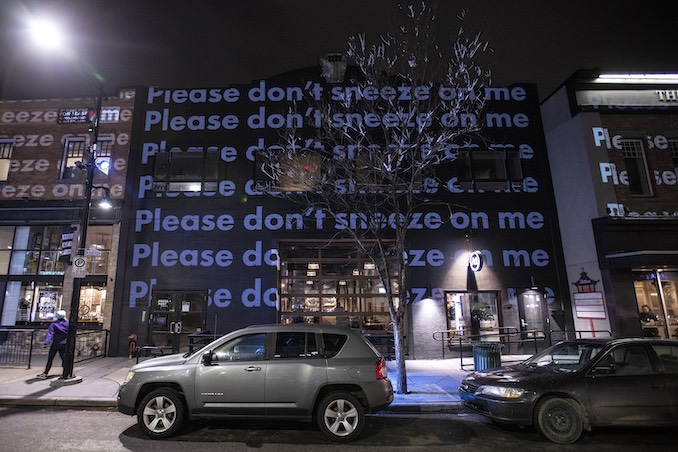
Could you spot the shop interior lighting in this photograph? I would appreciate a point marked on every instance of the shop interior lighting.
(637, 78)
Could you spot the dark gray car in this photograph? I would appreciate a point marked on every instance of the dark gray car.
(327, 373)
(576, 385)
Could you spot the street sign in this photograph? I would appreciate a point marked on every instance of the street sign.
(79, 267)
(93, 253)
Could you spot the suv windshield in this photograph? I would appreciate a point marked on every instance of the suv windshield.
(567, 357)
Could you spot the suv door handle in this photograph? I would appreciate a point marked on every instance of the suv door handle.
(252, 369)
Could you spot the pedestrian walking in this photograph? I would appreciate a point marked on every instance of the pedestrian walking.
(57, 335)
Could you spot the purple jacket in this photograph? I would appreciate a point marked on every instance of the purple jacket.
(57, 332)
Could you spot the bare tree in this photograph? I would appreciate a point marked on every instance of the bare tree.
(372, 143)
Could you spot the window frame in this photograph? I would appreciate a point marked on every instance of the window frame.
(640, 183)
(6, 152)
(165, 168)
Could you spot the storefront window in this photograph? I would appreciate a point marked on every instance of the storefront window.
(473, 314)
(30, 302)
(656, 321)
(98, 249)
(37, 249)
(92, 303)
(6, 238)
(331, 284)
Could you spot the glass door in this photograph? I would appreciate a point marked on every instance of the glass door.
(532, 310)
(175, 315)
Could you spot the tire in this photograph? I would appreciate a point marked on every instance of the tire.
(340, 417)
(161, 413)
(559, 420)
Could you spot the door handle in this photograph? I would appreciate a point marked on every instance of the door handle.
(178, 328)
(171, 327)
(252, 369)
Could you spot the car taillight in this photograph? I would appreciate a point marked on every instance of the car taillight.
(380, 369)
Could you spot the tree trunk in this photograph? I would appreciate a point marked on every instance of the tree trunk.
(401, 377)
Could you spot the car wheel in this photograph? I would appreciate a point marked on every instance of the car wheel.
(161, 413)
(341, 416)
(559, 420)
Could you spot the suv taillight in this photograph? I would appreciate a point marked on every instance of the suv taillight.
(380, 369)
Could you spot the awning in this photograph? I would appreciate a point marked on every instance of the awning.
(645, 259)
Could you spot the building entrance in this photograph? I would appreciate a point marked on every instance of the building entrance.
(657, 303)
(175, 315)
(533, 315)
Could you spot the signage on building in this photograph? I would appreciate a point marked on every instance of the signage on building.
(589, 305)
(79, 267)
(475, 261)
(82, 115)
(647, 99)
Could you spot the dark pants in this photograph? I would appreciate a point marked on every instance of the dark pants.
(53, 349)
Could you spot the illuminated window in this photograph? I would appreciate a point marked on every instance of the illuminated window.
(332, 284)
(6, 150)
(103, 159)
(36, 250)
(74, 151)
(636, 167)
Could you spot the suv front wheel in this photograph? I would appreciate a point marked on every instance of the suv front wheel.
(161, 413)
(340, 416)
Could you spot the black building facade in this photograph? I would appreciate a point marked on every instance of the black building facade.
(203, 249)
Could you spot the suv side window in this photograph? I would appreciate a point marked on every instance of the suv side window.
(295, 345)
(668, 355)
(333, 343)
(249, 347)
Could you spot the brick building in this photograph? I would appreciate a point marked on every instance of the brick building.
(613, 148)
(42, 188)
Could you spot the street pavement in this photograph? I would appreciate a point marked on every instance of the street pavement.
(432, 384)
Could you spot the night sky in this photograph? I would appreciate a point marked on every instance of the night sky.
(209, 43)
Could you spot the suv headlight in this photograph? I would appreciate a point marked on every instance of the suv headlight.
(129, 376)
(504, 392)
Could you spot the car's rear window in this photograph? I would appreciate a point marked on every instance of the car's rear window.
(668, 355)
(333, 343)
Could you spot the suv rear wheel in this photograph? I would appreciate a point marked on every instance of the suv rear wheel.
(161, 413)
(341, 416)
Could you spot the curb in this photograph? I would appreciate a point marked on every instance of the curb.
(58, 401)
(418, 409)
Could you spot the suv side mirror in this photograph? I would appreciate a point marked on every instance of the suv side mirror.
(207, 358)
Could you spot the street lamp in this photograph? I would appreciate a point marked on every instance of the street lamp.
(48, 36)
(68, 376)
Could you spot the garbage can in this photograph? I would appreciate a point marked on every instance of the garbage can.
(486, 355)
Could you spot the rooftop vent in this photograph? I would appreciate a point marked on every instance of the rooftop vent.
(333, 67)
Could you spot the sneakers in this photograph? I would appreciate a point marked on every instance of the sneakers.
(42, 376)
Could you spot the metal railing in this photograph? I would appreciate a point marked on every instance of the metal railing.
(383, 342)
(511, 336)
(19, 347)
(576, 334)
(199, 340)
(16, 347)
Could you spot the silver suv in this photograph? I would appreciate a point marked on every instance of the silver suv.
(327, 373)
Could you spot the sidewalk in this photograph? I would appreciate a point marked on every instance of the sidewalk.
(432, 384)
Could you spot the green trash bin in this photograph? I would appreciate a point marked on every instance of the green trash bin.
(486, 355)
